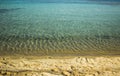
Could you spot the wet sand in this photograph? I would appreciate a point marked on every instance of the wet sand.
(60, 66)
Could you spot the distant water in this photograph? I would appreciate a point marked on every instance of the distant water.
(59, 29)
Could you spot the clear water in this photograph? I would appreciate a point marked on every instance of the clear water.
(59, 29)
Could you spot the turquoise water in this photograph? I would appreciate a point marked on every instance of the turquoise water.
(59, 29)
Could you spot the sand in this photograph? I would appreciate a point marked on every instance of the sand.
(60, 66)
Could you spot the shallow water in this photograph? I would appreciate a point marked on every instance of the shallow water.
(59, 29)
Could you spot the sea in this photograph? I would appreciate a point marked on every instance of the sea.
(59, 28)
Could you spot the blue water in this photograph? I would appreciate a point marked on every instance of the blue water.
(59, 29)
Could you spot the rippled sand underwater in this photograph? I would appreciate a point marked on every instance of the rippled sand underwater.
(59, 29)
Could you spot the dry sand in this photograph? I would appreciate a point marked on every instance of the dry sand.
(51, 66)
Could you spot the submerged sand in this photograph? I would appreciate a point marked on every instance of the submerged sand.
(52, 66)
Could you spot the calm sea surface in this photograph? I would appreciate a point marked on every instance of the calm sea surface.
(59, 29)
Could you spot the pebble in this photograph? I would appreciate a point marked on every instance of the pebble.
(55, 70)
(66, 73)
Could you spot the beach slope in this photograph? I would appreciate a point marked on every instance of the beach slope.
(52, 66)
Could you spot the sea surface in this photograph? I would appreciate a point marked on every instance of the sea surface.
(59, 29)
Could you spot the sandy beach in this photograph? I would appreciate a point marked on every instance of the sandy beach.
(60, 66)
(59, 37)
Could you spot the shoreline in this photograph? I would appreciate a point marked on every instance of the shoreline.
(58, 56)
(60, 66)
